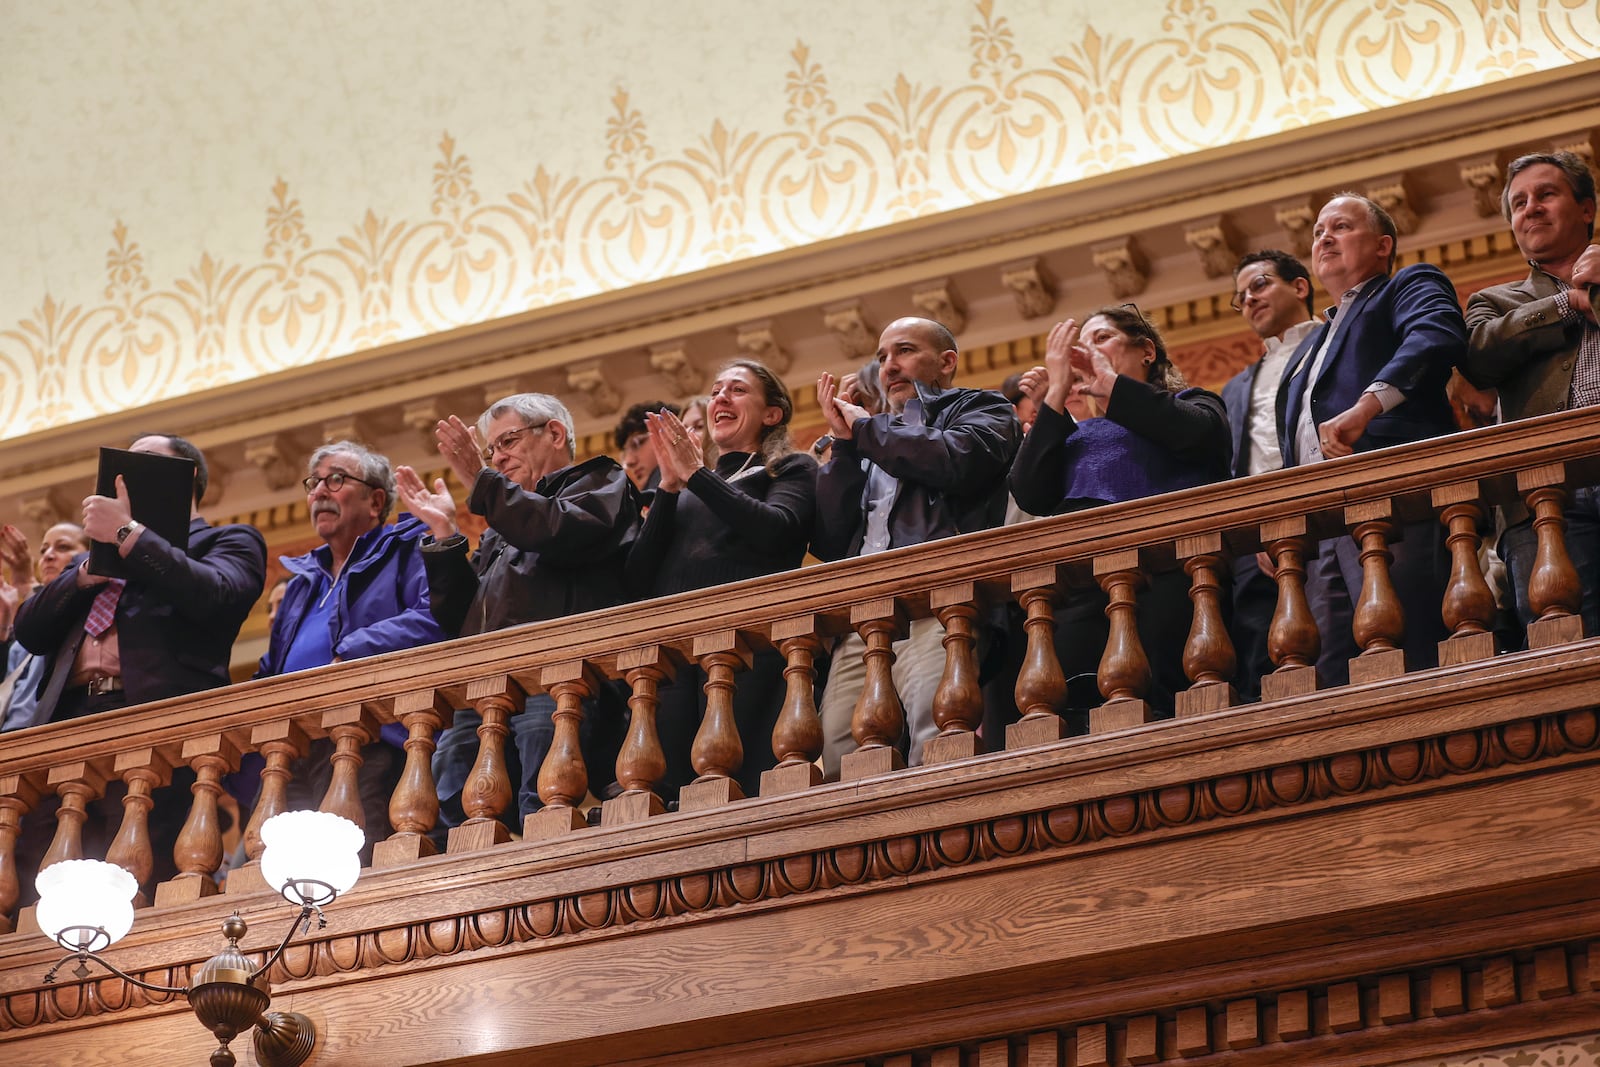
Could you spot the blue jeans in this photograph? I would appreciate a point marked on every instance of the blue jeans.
(1519, 544)
(532, 733)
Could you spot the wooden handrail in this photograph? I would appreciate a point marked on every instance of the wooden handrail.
(1527, 462)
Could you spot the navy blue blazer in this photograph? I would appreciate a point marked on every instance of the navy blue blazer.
(1236, 398)
(1408, 331)
(176, 619)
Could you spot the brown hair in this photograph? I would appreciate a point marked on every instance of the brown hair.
(1128, 319)
(775, 440)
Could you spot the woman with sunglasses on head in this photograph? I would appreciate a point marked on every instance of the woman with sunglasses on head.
(1152, 434)
(747, 515)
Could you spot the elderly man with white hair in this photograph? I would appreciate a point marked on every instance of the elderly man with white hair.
(558, 538)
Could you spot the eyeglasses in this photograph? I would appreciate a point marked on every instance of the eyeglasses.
(508, 440)
(335, 481)
(635, 443)
(1252, 288)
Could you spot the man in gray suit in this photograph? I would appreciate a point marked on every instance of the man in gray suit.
(1537, 340)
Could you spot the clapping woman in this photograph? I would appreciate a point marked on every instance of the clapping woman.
(1155, 435)
(747, 516)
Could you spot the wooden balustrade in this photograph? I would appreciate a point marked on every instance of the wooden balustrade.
(955, 581)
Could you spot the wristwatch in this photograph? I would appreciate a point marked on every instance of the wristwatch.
(128, 529)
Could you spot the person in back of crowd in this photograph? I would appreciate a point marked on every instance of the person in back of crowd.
(748, 515)
(633, 441)
(362, 592)
(19, 691)
(1272, 291)
(694, 424)
(1537, 340)
(558, 538)
(933, 465)
(1157, 435)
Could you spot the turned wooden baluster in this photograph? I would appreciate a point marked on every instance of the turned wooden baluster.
(18, 796)
(280, 744)
(718, 753)
(1468, 606)
(1124, 674)
(879, 718)
(142, 770)
(487, 790)
(1379, 623)
(414, 804)
(1554, 595)
(1208, 656)
(797, 735)
(958, 702)
(641, 764)
(199, 849)
(564, 778)
(350, 727)
(1041, 689)
(1292, 640)
(77, 784)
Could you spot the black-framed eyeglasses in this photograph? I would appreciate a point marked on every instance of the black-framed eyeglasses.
(334, 480)
(1131, 306)
(508, 440)
(1252, 288)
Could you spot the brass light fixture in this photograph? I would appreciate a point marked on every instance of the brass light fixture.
(311, 857)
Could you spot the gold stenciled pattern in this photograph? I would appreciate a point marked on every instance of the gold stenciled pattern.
(1571, 1052)
(1024, 114)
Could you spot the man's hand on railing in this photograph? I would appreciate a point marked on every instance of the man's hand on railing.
(1338, 436)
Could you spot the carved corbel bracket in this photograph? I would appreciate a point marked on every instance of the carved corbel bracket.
(1485, 176)
(46, 507)
(1297, 217)
(758, 341)
(1396, 194)
(1584, 144)
(1031, 286)
(501, 388)
(670, 359)
(848, 323)
(276, 457)
(940, 302)
(422, 416)
(591, 380)
(1217, 242)
(217, 475)
(358, 428)
(1124, 265)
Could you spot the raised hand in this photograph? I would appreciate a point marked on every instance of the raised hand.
(437, 508)
(461, 448)
(677, 450)
(840, 413)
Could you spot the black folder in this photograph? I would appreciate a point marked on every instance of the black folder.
(160, 492)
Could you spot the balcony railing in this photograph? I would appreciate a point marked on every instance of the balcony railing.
(1458, 479)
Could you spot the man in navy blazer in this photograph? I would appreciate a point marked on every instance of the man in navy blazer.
(1272, 290)
(167, 631)
(1374, 375)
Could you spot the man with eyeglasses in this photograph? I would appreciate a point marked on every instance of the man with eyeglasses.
(1272, 290)
(362, 592)
(638, 454)
(1375, 374)
(558, 536)
(1537, 340)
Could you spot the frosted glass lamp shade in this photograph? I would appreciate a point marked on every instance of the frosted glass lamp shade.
(311, 856)
(85, 905)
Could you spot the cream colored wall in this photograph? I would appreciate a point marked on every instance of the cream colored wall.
(1569, 1052)
(199, 194)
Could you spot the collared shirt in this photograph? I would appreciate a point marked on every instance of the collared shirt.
(98, 657)
(1585, 390)
(1307, 441)
(1262, 426)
